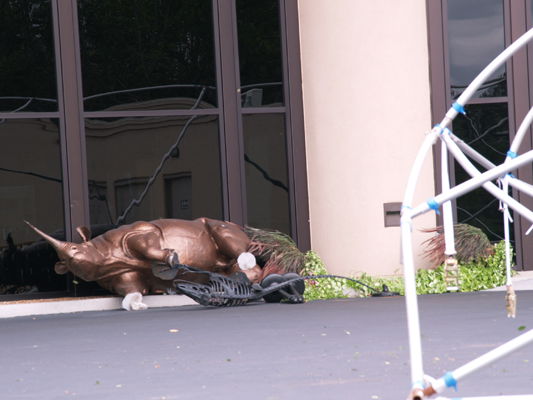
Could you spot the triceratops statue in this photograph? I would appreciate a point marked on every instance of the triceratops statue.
(121, 259)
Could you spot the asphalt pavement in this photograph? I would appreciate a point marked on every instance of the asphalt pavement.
(335, 349)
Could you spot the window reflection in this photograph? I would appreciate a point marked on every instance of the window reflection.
(265, 155)
(147, 55)
(260, 53)
(30, 189)
(27, 63)
(125, 191)
(136, 168)
(486, 129)
(475, 38)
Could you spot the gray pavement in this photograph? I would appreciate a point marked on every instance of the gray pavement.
(336, 349)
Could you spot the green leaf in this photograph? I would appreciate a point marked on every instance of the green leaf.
(480, 274)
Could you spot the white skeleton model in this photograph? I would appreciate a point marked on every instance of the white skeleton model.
(134, 301)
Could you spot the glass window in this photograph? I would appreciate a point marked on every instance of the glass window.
(125, 191)
(30, 189)
(486, 129)
(147, 55)
(260, 58)
(265, 155)
(98, 204)
(133, 165)
(27, 60)
(178, 188)
(475, 38)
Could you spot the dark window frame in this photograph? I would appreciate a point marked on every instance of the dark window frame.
(519, 98)
(230, 113)
(71, 115)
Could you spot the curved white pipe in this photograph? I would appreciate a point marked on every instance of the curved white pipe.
(415, 346)
(447, 217)
(488, 71)
(521, 132)
(513, 150)
(429, 140)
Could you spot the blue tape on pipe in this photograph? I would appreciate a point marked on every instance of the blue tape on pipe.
(511, 154)
(449, 380)
(459, 108)
(419, 384)
(433, 205)
(441, 129)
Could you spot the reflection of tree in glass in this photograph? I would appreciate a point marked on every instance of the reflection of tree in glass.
(175, 146)
(140, 43)
(265, 174)
(496, 87)
(27, 66)
(485, 128)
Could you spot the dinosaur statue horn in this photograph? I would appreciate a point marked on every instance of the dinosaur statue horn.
(58, 245)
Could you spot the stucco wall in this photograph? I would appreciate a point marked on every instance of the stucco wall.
(367, 107)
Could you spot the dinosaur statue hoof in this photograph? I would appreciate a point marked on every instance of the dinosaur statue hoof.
(133, 302)
(291, 292)
(169, 270)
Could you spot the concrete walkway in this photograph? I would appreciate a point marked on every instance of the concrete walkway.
(522, 281)
(79, 304)
(336, 349)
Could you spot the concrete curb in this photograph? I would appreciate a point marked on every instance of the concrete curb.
(523, 280)
(62, 306)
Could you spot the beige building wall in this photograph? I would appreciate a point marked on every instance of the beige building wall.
(367, 107)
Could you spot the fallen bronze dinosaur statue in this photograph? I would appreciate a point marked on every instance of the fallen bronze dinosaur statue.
(121, 259)
(213, 262)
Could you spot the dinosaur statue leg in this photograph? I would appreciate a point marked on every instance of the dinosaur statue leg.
(132, 287)
(144, 246)
(233, 243)
(133, 302)
(147, 246)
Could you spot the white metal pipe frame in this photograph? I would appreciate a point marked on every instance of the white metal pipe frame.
(423, 386)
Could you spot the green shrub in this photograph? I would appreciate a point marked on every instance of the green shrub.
(484, 273)
(325, 288)
(471, 244)
(394, 284)
(488, 273)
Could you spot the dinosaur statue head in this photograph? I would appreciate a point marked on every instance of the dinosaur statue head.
(82, 259)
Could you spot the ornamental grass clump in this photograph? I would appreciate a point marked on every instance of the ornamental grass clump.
(481, 265)
(278, 253)
(275, 251)
(484, 273)
(471, 244)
